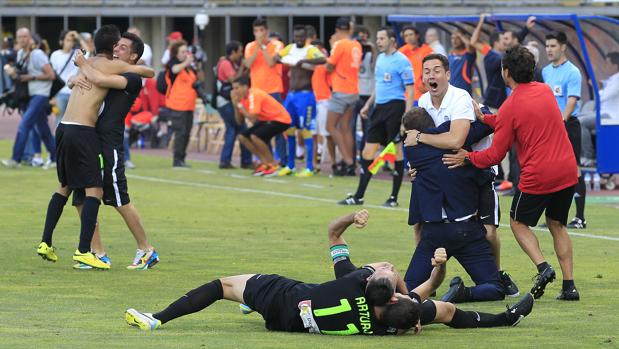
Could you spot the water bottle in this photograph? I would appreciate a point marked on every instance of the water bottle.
(588, 181)
(596, 182)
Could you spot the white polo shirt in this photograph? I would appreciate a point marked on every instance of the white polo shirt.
(457, 104)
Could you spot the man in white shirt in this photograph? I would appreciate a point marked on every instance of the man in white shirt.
(609, 109)
(61, 62)
(147, 56)
(433, 41)
(445, 102)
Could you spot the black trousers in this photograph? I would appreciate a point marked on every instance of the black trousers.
(182, 122)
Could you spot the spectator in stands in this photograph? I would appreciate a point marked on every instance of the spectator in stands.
(173, 38)
(228, 69)
(512, 39)
(496, 92)
(415, 52)
(609, 109)
(565, 80)
(61, 61)
(461, 61)
(343, 64)
(39, 75)
(264, 71)
(433, 41)
(147, 56)
(366, 83)
(270, 118)
(181, 98)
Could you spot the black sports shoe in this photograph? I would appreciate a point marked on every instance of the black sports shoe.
(456, 292)
(351, 200)
(351, 170)
(569, 295)
(518, 311)
(577, 223)
(337, 170)
(541, 280)
(511, 289)
(391, 202)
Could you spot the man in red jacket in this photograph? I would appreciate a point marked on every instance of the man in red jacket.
(530, 118)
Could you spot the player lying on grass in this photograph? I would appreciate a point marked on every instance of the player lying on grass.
(430, 311)
(359, 301)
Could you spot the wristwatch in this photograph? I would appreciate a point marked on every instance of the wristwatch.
(467, 160)
(417, 137)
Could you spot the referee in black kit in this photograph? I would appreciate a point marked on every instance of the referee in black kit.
(393, 96)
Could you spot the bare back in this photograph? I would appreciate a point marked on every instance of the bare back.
(83, 107)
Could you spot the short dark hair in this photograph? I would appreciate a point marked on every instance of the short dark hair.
(559, 36)
(260, 22)
(520, 63)
(318, 43)
(494, 37)
(403, 315)
(137, 44)
(378, 292)
(299, 27)
(613, 57)
(106, 38)
(390, 32)
(232, 46)
(417, 119)
(343, 23)
(361, 29)
(410, 27)
(242, 80)
(440, 57)
(311, 31)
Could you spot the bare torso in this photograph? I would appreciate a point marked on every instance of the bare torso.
(83, 107)
(300, 79)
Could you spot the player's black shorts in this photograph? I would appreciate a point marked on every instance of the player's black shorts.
(79, 157)
(489, 210)
(265, 130)
(572, 126)
(528, 208)
(277, 299)
(385, 122)
(115, 190)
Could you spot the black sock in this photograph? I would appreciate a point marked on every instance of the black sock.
(568, 284)
(542, 266)
(581, 191)
(397, 179)
(89, 222)
(473, 319)
(194, 301)
(364, 178)
(54, 211)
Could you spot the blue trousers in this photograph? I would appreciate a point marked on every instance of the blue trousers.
(466, 241)
(35, 114)
(232, 131)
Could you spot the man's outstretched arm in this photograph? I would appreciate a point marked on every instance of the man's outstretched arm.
(337, 245)
(436, 277)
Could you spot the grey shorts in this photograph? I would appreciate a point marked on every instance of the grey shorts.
(339, 102)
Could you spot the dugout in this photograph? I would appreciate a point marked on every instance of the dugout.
(590, 38)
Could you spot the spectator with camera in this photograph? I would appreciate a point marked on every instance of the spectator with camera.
(229, 68)
(180, 98)
(61, 62)
(33, 69)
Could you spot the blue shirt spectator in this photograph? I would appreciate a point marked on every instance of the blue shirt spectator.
(461, 66)
(496, 92)
(565, 81)
(392, 74)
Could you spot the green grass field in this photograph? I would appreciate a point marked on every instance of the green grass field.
(207, 223)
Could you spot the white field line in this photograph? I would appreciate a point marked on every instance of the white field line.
(310, 198)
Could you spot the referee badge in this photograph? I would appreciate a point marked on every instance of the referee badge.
(387, 77)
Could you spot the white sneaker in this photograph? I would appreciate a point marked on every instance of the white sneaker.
(145, 321)
(129, 165)
(10, 163)
(49, 164)
(37, 162)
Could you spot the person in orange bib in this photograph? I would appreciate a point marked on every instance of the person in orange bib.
(270, 118)
(415, 54)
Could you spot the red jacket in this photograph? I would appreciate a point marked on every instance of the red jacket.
(530, 118)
